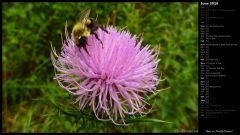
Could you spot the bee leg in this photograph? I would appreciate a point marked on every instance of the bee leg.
(98, 38)
(84, 45)
(85, 48)
(104, 29)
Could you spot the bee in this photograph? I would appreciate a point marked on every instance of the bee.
(84, 28)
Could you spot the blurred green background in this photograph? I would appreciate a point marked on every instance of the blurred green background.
(29, 90)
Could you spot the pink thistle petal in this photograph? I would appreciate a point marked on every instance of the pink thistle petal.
(113, 78)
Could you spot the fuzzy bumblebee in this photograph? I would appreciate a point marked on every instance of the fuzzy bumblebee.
(84, 28)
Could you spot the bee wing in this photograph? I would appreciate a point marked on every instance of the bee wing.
(84, 15)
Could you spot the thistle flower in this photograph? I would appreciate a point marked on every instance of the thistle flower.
(114, 79)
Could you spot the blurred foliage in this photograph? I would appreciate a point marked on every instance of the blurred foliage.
(30, 95)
